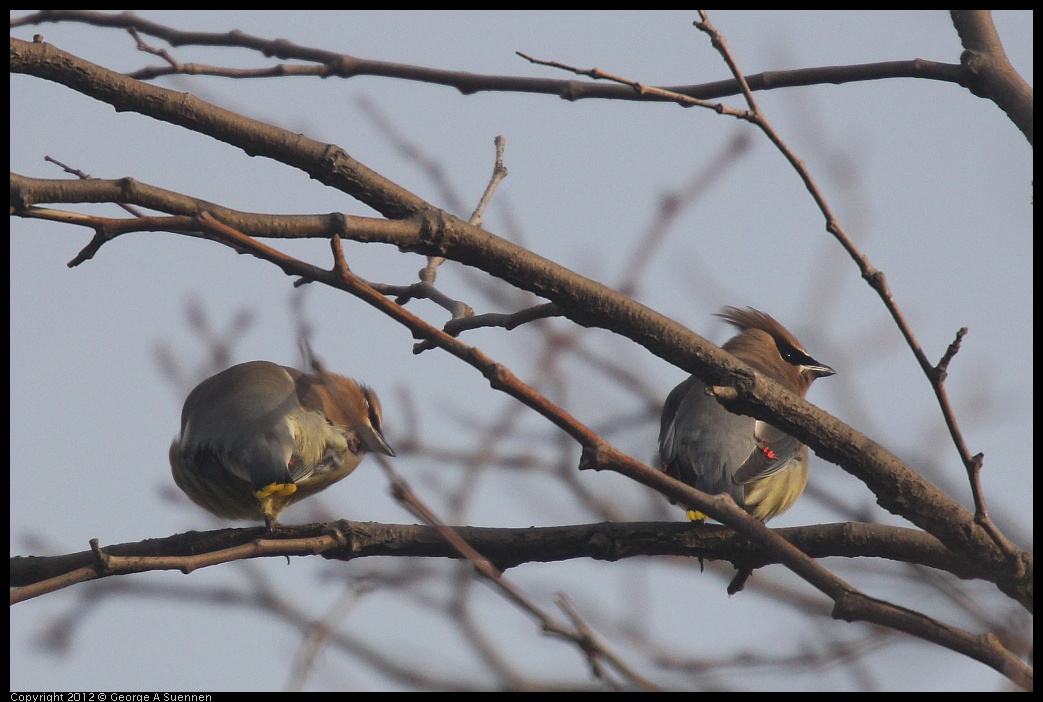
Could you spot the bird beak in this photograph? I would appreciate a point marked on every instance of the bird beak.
(374, 441)
(819, 370)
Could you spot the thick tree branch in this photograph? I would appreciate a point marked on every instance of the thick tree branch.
(508, 548)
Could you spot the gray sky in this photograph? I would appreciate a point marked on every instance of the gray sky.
(932, 183)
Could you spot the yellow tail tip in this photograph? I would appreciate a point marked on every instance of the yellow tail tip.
(694, 516)
(276, 490)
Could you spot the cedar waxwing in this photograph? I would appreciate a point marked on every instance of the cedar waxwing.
(257, 437)
(704, 445)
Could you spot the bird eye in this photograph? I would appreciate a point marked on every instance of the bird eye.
(794, 357)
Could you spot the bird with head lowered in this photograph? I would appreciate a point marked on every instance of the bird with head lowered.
(257, 437)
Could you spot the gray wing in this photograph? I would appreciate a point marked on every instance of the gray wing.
(242, 429)
(701, 443)
(774, 451)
